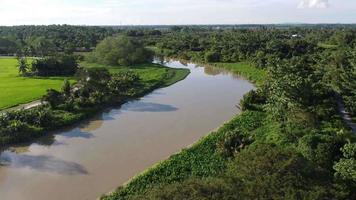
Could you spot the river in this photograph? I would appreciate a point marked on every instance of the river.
(96, 156)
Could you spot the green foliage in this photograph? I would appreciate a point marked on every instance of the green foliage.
(252, 100)
(267, 171)
(120, 51)
(192, 189)
(66, 88)
(45, 40)
(212, 57)
(258, 172)
(340, 73)
(124, 83)
(7, 46)
(246, 70)
(233, 143)
(58, 65)
(23, 65)
(346, 167)
(322, 150)
(53, 97)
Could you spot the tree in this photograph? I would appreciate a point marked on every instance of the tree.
(120, 51)
(41, 46)
(270, 172)
(321, 149)
(124, 83)
(23, 65)
(58, 65)
(66, 89)
(53, 97)
(346, 167)
(212, 57)
(7, 46)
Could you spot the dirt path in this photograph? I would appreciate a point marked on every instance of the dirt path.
(26, 106)
(344, 114)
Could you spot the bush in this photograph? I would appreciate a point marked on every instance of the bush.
(53, 97)
(267, 171)
(59, 65)
(192, 189)
(124, 83)
(233, 143)
(322, 150)
(212, 57)
(252, 99)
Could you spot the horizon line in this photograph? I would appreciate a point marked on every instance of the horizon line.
(214, 24)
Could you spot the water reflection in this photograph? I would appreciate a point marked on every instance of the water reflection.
(209, 69)
(77, 133)
(41, 163)
(19, 149)
(93, 125)
(48, 140)
(139, 106)
(214, 71)
(184, 62)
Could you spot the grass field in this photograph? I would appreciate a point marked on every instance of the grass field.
(15, 90)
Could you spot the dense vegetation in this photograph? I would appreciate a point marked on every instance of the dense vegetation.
(59, 65)
(290, 142)
(42, 40)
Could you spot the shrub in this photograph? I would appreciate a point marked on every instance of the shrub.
(251, 99)
(59, 65)
(212, 56)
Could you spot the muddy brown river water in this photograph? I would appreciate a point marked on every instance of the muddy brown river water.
(98, 155)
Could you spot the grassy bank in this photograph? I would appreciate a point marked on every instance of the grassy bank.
(25, 125)
(204, 158)
(153, 75)
(17, 90)
(246, 70)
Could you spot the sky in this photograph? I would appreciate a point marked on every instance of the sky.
(173, 12)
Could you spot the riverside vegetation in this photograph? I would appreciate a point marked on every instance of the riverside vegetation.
(290, 142)
(94, 89)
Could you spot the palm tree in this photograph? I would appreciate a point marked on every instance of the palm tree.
(23, 65)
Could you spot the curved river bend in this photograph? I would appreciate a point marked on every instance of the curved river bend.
(98, 155)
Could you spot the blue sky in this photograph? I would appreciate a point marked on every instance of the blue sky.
(124, 12)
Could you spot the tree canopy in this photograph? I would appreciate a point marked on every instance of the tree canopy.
(120, 51)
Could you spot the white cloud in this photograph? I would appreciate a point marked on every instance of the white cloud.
(116, 12)
(314, 4)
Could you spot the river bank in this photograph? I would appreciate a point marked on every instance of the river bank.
(97, 155)
(202, 158)
(151, 77)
